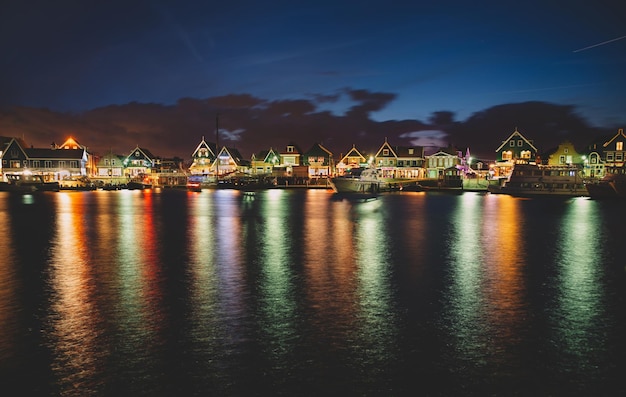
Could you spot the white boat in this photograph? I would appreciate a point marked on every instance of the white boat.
(359, 181)
(528, 180)
(27, 183)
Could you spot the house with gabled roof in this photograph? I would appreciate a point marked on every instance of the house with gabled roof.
(230, 161)
(564, 154)
(319, 160)
(353, 159)
(53, 164)
(608, 157)
(139, 163)
(110, 167)
(516, 149)
(442, 160)
(290, 156)
(400, 161)
(203, 158)
(263, 162)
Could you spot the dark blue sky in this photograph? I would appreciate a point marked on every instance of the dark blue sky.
(457, 56)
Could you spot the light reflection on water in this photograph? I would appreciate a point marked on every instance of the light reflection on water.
(580, 301)
(297, 293)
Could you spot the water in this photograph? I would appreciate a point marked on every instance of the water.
(290, 292)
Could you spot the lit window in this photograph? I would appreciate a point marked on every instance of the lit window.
(619, 146)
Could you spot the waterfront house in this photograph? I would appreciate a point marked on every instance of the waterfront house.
(564, 154)
(515, 149)
(352, 159)
(203, 158)
(110, 168)
(53, 164)
(442, 160)
(230, 161)
(138, 164)
(263, 162)
(400, 161)
(319, 161)
(608, 157)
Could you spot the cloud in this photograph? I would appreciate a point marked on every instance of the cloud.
(251, 124)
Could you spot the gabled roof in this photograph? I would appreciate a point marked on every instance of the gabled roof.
(392, 152)
(620, 132)
(212, 148)
(142, 152)
(318, 149)
(233, 154)
(71, 143)
(516, 133)
(354, 153)
(445, 153)
(14, 142)
(296, 149)
(405, 151)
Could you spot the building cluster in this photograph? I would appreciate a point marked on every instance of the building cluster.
(71, 162)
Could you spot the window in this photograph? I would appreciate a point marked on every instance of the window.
(520, 143)
(525, 154)
(562, 160)
(385, 152)
(36, 164)
(609, 157)
(61, 164)
(619, 146)
(566, 150)
(410, 150)
(15, 164)
(512, 144)
(47, 164)
(618, 157)
(73, 164)
(106, 162)
(508, 155)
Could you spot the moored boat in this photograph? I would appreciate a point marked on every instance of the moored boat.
(611, 186)
(528, 180)
(28, 183)
(359, 181)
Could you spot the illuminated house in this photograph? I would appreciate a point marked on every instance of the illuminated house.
(139, 163)
(229, 161)
(608, 157)
(400, 161)
(56, 163)
(352, 159)
(263, 163)
(442, 160)
(319, 160)
(516, 149)
(110, 166)
(565, 154)
(203, 158)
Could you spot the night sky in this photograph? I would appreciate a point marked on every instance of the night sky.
(156, 73)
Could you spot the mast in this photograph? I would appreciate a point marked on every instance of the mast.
(217, 148)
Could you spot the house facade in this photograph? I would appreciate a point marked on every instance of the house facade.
(57, 163)
(400, 161)
(608, 157)
(353, 159)
(565, 154)
(319, 161)
(203, 159)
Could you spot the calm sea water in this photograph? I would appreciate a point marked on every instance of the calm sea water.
(288, 292)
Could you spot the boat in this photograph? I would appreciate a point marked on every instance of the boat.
(528, 180)
(610, 186)
(28, 183)
(138, 185)
(359, 181)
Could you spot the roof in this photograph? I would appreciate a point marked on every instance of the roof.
(519, 134)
